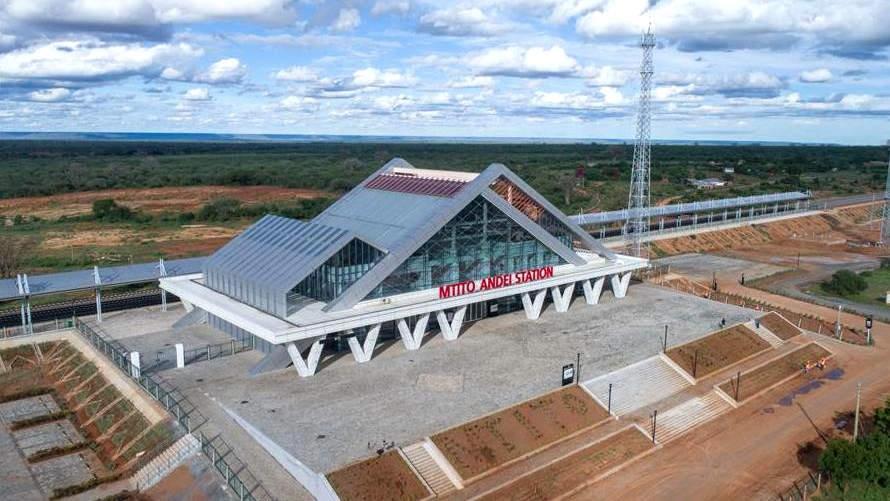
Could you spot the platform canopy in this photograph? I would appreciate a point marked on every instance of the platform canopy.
(690, 207)
(70, 281)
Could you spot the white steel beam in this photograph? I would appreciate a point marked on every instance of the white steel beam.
(562, 299)
(451, 330)
(592, 292)
(413, 339)
(534, 306)
(362, 352)
(307, 367)
(620, 284)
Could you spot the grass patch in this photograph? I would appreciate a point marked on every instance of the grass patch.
(875, 293)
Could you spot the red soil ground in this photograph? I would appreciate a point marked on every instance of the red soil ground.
(717, 351)
(480, 446)
(578, 469)
(385, 477)
(779, 326)
(766, 376)
(150, 200)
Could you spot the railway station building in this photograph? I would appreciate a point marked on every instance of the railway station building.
(407, 252)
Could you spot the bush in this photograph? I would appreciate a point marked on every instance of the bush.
(220, 209)
(845, 283)
(109, 210)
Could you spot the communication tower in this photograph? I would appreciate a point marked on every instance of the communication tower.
(639, 200)
(885, 219)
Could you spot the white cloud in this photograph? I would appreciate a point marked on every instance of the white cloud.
(91, 59)
(298, 103)
(224, 71)
(472, 82)
(533, 62)
(390, 7)
(197, 94)
(347, 20)
(172, 74)
(461, 21)
(606, 76)
(50, 95)
(820, 75)
(297, 74)
(133, 13)
(373, 77)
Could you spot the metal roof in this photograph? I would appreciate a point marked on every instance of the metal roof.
(276, 253)
(668, 210)
(69, 281)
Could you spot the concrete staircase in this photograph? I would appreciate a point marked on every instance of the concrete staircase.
(637, 385)
(428, 469)
(165, 462)
(694, 412)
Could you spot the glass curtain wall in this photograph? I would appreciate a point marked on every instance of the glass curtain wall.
(479, 242)
(339, 272)
(534, 211)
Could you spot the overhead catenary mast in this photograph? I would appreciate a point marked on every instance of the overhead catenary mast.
(639, 200)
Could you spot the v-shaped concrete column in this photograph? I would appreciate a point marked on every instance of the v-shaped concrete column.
(307, 367)
(364, 352)
(413, 339)
(562, 298)
(533, 306)
(592, 291)
(450, 331)
(620, 284)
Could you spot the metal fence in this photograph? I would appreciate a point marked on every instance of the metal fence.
(57, 324)
(212, 351)
(803, 489)
(184, 413)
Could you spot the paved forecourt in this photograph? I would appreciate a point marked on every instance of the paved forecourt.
(351, 409)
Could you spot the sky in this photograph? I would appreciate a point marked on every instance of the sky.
(767, 70)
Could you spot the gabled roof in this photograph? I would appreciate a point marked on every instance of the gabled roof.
(396, 210)
(428, 216)
(276, 253)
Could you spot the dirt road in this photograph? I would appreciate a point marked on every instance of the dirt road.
(751, 452)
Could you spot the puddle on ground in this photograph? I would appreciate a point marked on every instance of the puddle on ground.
(832, 375)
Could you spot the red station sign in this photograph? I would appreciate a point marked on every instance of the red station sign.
(495, 282)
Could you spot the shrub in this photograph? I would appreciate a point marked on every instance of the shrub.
(845, 283)
(220, 209)
(109, 210)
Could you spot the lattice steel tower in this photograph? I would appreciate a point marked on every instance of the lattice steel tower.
(638, 200)
(885, 219)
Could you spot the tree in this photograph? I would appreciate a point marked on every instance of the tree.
(12, 253)
(845, 283)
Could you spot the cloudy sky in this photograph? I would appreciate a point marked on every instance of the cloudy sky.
(800, 70)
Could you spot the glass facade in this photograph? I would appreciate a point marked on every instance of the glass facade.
(339, 272)
(535, 211)
(479, 242)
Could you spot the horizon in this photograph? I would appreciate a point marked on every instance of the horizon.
(284, 138)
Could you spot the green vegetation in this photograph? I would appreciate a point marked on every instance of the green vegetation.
(108, 210)
(860, 471)
(30, 168)
(868, 287)
(845, 283)
(575, 177)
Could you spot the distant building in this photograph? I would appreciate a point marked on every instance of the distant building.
(729, 170)
(708, 183)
